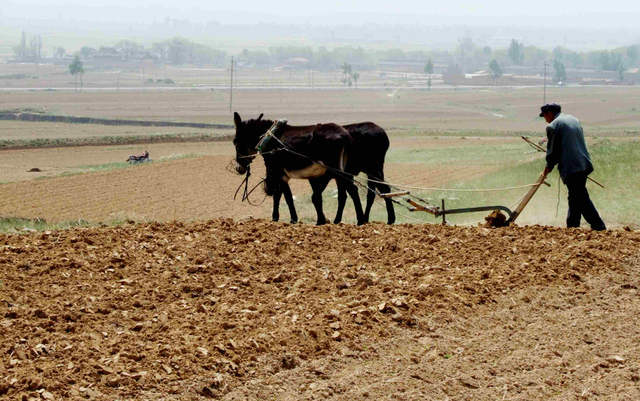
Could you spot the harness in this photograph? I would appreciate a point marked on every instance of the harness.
(269, 137)
(265, 142)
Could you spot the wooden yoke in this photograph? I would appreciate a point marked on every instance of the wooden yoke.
(527, 198)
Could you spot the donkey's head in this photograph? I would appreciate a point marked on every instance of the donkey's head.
(248, 135)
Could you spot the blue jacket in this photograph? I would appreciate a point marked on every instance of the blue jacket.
(567, 147)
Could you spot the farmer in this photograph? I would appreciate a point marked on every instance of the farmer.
(568, 150)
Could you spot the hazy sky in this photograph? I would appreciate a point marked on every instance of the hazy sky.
(573, 13)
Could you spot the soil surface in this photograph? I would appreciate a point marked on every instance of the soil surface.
(256, 310)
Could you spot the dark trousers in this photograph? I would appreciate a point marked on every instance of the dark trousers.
(580, 204)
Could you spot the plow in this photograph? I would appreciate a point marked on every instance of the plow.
(441, 211)
(414, 204)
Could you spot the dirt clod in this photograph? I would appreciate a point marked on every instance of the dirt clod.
(496, 219)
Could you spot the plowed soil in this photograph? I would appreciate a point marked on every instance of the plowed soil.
(258, 310)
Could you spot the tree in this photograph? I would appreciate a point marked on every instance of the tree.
(87, 51)
(575, 58)
(60, 52)
(486, 50)
(610, 61)
(558, 54)
(621, 70)
(35, 48)
(632, 52)
(21, 51)
(428, 68)
(346, 72)
(616, 62)
(466, 46)
(161, 49)
(356, 77)
(128, 49)
(516, 52)
(496, 70)
(560, 71)
(76, 68)
(178, 51)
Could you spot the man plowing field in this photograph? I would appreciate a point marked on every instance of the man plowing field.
(568, 150)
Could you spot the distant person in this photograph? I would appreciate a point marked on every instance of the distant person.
(568, 150)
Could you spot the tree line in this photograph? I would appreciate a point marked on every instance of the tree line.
(29, 51)
(468, 55)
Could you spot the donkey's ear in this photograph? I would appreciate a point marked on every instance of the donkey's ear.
(260, 117)
(237, 121)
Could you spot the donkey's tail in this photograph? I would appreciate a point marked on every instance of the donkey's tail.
(342, 165)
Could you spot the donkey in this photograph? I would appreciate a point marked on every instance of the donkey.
(371, 145)
(317, 153)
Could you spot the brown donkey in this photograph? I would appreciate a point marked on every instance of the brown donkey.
(317, 153)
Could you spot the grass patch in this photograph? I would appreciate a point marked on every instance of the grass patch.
(472, 154)
(413, 131)
(94, 168)
(22, 225)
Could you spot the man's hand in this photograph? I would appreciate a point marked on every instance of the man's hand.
(546, 171)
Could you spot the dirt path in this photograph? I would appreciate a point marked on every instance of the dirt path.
(259, 310)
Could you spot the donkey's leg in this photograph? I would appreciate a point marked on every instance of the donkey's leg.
(276, 204)
(318, 185)
(384, 189)
(352, 190)
(342, 200)
(286, 190)
(371, 197)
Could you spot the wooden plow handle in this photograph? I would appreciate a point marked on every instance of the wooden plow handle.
(526, 198)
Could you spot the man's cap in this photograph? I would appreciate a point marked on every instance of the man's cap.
(553, 107)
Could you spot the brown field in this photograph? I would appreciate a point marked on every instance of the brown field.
(603, 111)
(259, 310)
(22, 130)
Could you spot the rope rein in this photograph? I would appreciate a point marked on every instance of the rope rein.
(246, 193)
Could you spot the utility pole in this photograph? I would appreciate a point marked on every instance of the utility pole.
(544, 96)
(231, 87)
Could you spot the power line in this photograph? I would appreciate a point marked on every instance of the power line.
(544, 96)
(231, 87)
